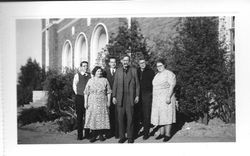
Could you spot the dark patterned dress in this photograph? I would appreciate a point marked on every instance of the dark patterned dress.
(97, 115)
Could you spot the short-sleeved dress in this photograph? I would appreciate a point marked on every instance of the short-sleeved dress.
(163, 113)
(97, 114)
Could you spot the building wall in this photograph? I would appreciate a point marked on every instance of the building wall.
(80, 26)
(43, 43)
(152, 28)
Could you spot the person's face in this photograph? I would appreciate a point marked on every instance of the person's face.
(84, 67)
(142, 64)
(98, 73)
(125, 62)
(160, 66)
(112, 63)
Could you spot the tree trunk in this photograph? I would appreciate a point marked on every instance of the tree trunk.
(203, 119)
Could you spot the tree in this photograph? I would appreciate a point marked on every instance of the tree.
(31, 75)
(128, 41)
(200, 65)
(30, 78)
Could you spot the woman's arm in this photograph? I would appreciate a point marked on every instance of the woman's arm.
(86, 94)
(172, 82)
(109, 91)
(172, 85)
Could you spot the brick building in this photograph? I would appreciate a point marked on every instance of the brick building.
(67, 42)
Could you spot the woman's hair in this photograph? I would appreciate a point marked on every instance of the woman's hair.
(162, 61)
(95, 69)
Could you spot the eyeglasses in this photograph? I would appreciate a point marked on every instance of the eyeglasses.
(159, 66)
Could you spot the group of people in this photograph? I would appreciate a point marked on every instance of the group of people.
(109, 98)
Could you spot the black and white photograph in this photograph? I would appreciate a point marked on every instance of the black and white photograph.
(134, 80)
(123, 76)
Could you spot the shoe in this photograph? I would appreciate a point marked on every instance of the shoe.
(159, 137)
(166, 138)
(92, 139)
(79, 138)
(130, 140)
(101, 138)
(122, 140)
(109, 135)
(145, 137)
(117, 137)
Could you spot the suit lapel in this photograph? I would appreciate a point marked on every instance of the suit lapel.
(129, 76)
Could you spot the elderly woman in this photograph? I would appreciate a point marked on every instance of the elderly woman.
(97, 96)
(163, 106)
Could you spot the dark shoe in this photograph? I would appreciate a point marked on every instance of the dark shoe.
(166, 138)
(117, 137)
(109, 135)
(92, 139)
(130, 140)
(145, 137)
(122, 140)
(101, 138)
(79, 138)
(159, 137)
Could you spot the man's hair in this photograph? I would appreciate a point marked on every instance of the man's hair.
(142, 58)
(112, 57)
(83, 62)
(96, 68)
(125, 55)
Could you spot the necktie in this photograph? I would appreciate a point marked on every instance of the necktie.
(112, 72)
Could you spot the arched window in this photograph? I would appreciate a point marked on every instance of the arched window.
(81, 50)
(67, 55)
(99, 40)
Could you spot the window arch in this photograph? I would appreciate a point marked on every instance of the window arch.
(67, 55)
(81, 49)
(99, 40)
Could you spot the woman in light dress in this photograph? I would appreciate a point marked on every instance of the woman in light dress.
(163, 106)
(97, 96)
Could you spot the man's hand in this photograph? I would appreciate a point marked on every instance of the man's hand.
(86, 105)
(108, 104)
(114, 100)
(136, 99)
(168, 101)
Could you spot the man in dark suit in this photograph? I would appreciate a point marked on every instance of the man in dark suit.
(113, 116)
(126, 89)
(146, 76)
(80, 80)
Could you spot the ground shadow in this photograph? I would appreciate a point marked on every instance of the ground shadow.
(181, 119)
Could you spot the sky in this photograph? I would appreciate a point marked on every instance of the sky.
(28, 41)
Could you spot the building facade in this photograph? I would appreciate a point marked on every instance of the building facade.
(67, 42)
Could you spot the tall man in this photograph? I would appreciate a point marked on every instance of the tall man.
(110, 74)
(80, 80)
(126, 91)
(146, 76)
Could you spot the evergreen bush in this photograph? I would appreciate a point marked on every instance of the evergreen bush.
(30, 78)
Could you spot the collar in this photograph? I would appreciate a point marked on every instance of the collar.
(84, 74)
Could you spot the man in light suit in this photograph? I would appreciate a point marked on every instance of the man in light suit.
(126, 89)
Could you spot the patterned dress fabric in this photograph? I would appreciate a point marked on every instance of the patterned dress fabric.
(97, 114)
(163, 113)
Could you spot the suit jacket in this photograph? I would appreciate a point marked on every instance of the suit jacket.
(133, 85)
(146, 77)
(109, 76)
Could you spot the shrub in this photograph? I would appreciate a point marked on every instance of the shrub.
(30, 78)
(127, 41)
(24, 95)
(67, 124)
(199, 61)
(32, 115)
(60, 91)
